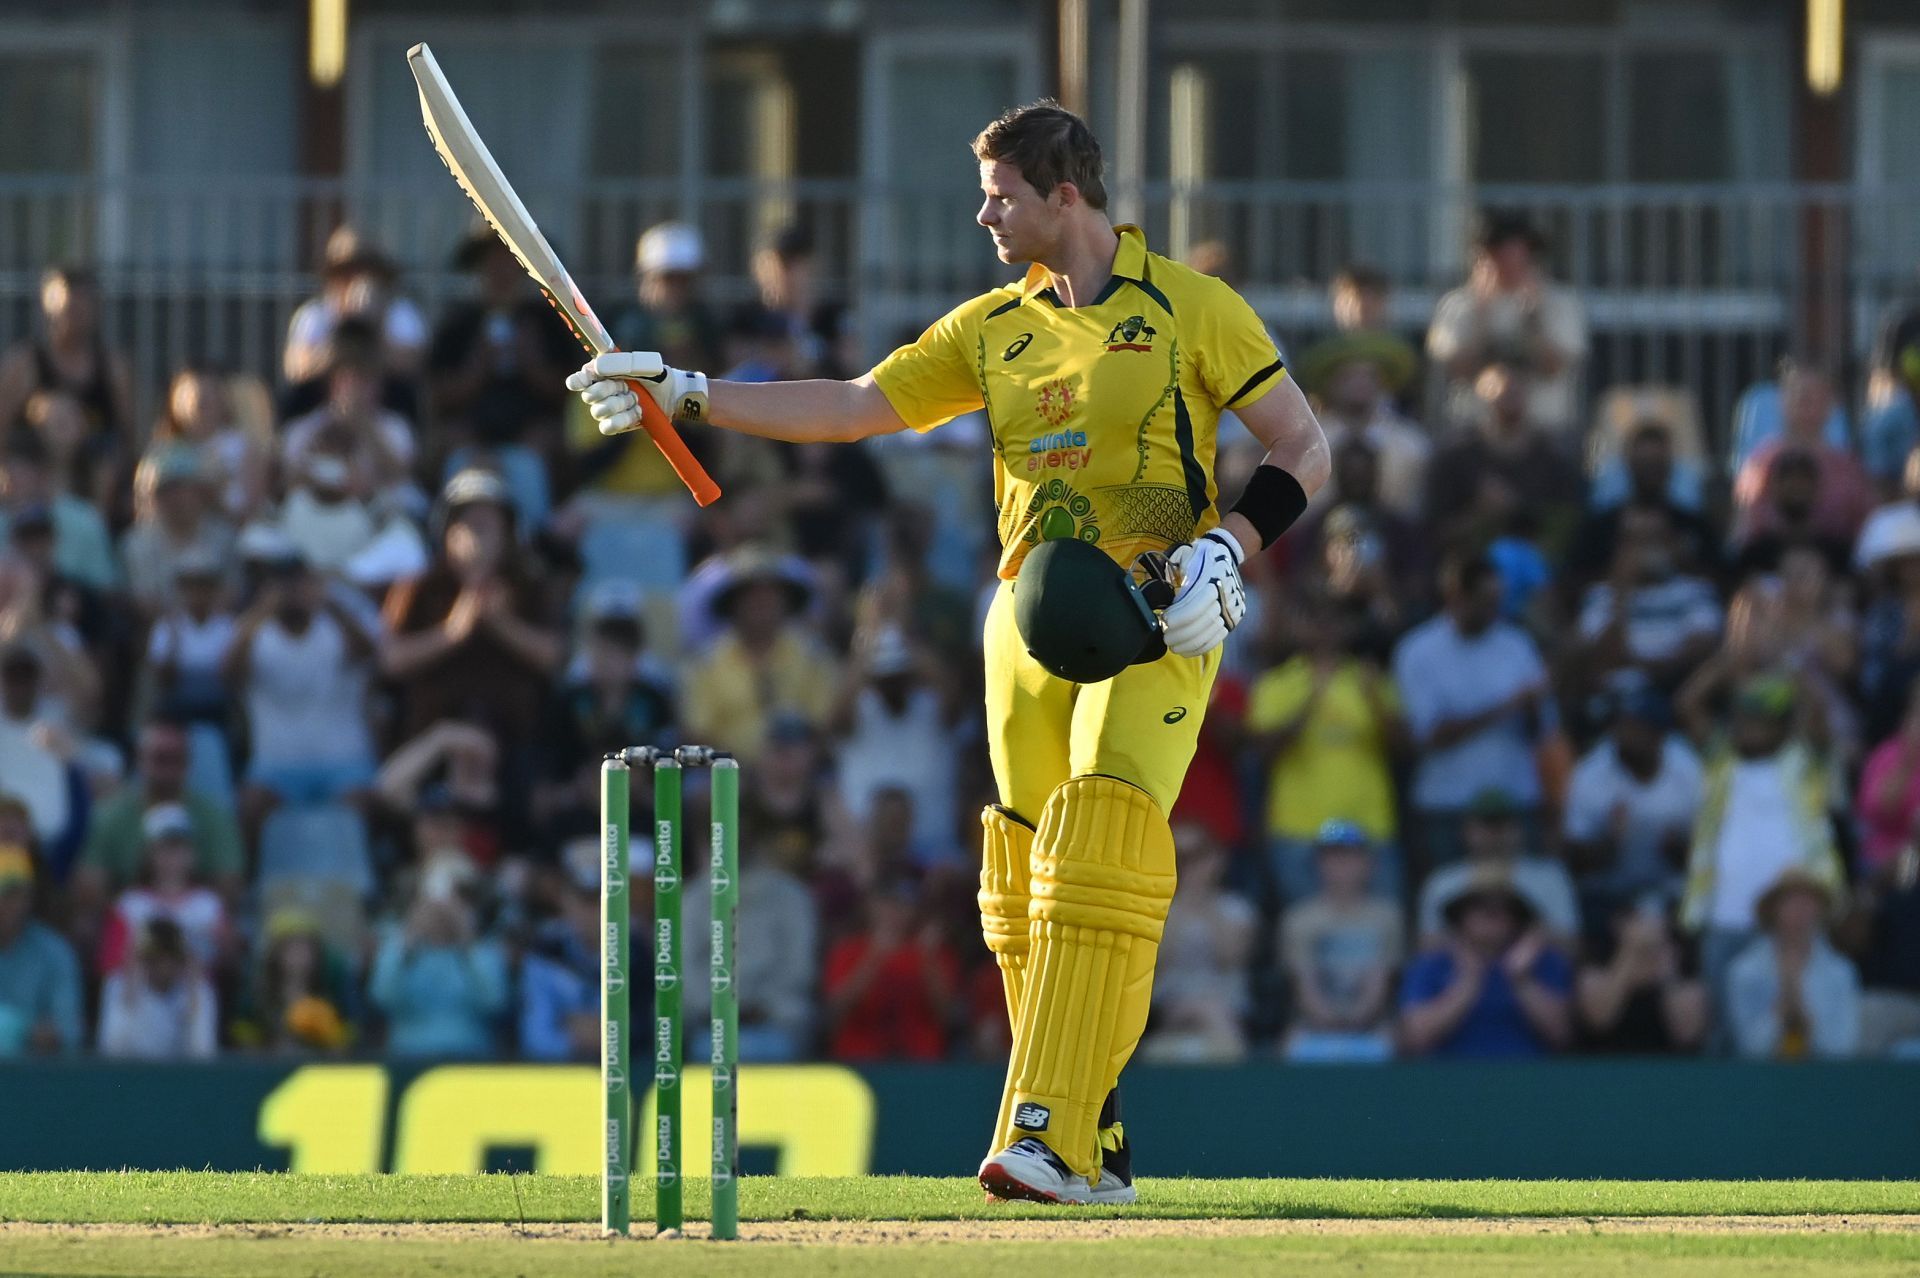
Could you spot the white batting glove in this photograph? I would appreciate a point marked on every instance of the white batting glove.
(602, 383)
(1212, 598)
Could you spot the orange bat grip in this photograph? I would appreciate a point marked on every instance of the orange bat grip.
(660, 430)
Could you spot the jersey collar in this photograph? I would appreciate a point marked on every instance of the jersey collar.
(1129, 263)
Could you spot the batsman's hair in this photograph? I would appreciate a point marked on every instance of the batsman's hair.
(1049, 145)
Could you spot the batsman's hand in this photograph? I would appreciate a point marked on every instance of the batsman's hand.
(1212, 598)
(606, 384)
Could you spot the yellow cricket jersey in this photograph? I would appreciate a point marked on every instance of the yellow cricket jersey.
(1103, 415)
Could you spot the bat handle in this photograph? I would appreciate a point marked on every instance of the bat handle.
(660, 430)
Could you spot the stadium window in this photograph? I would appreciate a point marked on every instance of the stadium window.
(1537, 116)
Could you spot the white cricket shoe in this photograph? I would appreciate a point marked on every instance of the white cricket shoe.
(1029, 1171)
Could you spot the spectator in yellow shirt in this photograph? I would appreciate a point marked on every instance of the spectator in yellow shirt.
(766, 662)
(1328, 725)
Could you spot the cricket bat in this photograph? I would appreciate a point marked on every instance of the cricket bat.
(473, 166)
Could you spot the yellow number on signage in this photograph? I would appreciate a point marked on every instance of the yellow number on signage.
(819, 1117)
(331, 1115)
(450, 1116)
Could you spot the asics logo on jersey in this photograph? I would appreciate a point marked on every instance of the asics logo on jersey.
(1174, 715)
(1018, 344)
(1131, 334)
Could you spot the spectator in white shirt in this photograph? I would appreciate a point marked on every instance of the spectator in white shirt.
(356, 278)
(1790, 994)
(167, 890)
(325, 516)
(1632, 800)
(376, 442)
(32, 767)
(1648, 615)
(1474, 690)
(187, 648)
(160, 1006)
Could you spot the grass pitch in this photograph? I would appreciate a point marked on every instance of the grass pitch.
(224, 1225)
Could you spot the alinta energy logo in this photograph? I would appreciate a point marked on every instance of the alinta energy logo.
(1059, 450)
(1131, 334)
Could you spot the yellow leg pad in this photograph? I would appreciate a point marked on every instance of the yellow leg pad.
(1005, 853)
(1102, 877)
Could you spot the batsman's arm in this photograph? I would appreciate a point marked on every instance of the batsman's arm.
(809, 412)
(1296, 446)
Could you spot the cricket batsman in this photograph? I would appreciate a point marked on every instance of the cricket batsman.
(1103, 374)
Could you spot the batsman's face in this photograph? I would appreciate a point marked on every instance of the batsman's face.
(1025, 225)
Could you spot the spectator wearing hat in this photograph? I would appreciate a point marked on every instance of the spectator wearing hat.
(671, 316)
(440, 984)
(177, 517)
(468, 639)
(300, 998)
(1328, 723)
(1494, 986)
(1475, 693)
(356, 280)
(117, 838)
(159, 1005)
(1340, 947)
(890, 989)
(167, 889)
(200, 412)
(1360, 298)
(1494, 834)
(1790, 994)
(765, 662)
(497, 365)
(71, 355)
(31, 491)
(1639, 993)
(375, 443)
(1648, 615)
(558, 1017)
(1509, 312)
(1764, 808)
(1201, 996)
(1841, 495)
(898, 730)
(1633, 798)
(39, 975)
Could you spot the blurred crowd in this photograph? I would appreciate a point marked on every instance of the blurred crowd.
(1565, 721)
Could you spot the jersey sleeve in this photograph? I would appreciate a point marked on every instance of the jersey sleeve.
(1235, 355)
(935, 379)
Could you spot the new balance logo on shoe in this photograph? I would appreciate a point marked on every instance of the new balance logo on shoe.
(1030, 1117)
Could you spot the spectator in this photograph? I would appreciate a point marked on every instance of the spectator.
(1201, 996)
(1647, 468)
(1367, 549)
(1790, 994)
(1340, 948)
(1842, 494)
(765, 662)
(356, 280)
(1329, 726)
(468, 640)
(1787, 515)
(897, 722)
(177, 519)
(672, 317)
(188, 646)
(1356, 403)
(39, 975)
(1632, 801)
(1475, 692)
(1503, 464)
(891, 988)
(33, 748)
(791, 810)
(1890, 629)
(614, 694)
(1637, 994)
(438, 982)
(167, 890)
(1892, 430)
(299, 659)
(160, 1005)
(82, 547)
(72, 356)
(445, 782)
(777, 931)
(117, 836)
(1509, 313)
(375, 444)
(301, 998)
(1763, 811)
(1649, 616)
(324, 515)
(784, 272)
(200, 414)
(1361, 300)
(1888, 802)
(559, 988)
(1495, 987)
(1494, 836)
(1760, 417)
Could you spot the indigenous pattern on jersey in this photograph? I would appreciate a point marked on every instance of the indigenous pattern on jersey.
(1103, 415)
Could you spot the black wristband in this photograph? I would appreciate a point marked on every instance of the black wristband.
(1273, 500)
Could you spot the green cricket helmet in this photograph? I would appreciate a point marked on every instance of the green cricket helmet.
(1083, 617)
